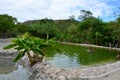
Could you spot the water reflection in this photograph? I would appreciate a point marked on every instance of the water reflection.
(7, 66)
(73, 56)
(11, 71)
(64, 61)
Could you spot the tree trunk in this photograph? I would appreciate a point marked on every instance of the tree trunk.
(34, 59)
(30, 59)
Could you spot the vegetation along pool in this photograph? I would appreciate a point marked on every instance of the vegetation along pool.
(75, 56)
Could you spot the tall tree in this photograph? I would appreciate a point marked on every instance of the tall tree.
(21, 28)
(43, 28)
(92, 30)
(7, 24)
(85, 14)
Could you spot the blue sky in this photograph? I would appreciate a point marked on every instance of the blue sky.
(57, 9)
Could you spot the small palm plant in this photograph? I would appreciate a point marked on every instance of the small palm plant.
(25, 44)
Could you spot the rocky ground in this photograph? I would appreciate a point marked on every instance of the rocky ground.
(44, 71)
(4, 42)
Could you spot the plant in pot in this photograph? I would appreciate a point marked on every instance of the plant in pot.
(26, 44)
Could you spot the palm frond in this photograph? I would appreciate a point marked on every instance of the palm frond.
(20, 55)
(9, 46)
(19, 48)
(38, 51)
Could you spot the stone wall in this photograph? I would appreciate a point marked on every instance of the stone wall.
(44, 71)
(6, 40)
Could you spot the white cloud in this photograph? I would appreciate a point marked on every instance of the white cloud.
(55, 9)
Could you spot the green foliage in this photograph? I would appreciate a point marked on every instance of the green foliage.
(93, 29)
(10, 46)
(85, 14)
(21, 29)
(25, 43)
(42, 28)
(21, 54)
(7, 24)
(70, 30)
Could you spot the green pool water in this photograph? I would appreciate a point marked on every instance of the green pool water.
(75, 56)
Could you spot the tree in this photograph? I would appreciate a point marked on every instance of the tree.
(118, 21)
(72, 18)
(92, 29)
(21, 29)
(72, 33)
(85, 14)
(43, 28)
(115, 31)
(7, 24)
(25, 44)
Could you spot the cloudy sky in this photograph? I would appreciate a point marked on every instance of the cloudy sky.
(57, 9)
